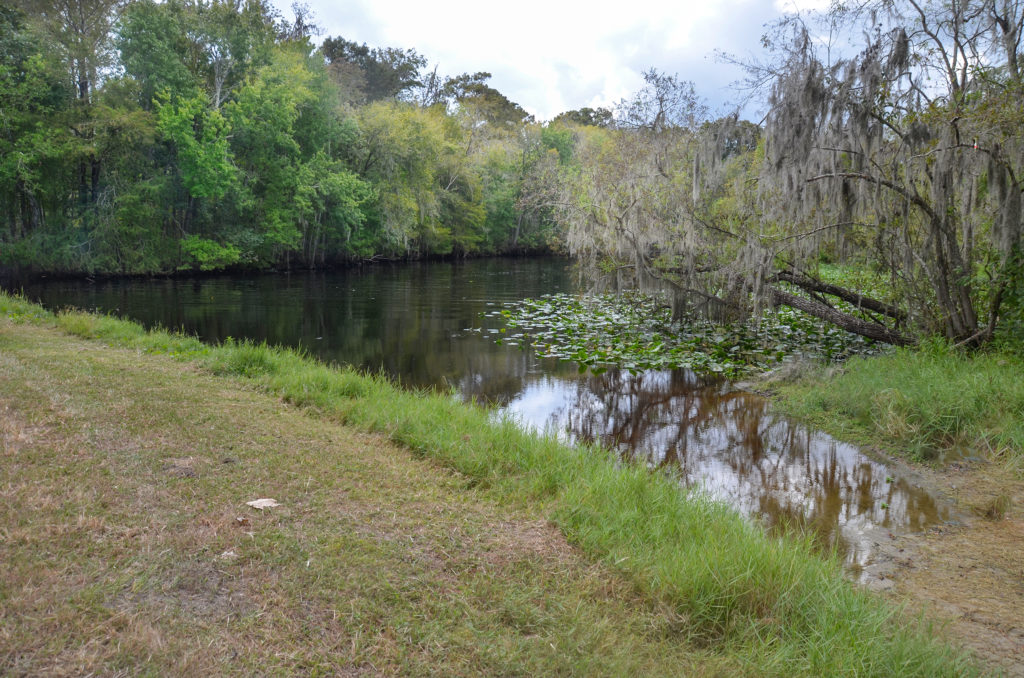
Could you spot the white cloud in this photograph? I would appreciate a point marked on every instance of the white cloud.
(555, 56)
(800, 6)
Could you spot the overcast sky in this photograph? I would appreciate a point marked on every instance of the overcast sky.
(552, 56)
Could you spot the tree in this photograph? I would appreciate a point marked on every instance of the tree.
(329, 201)
(470, 93)
(199, 132)
(180, 45)
(81, 31)
(32, 92)
(386, 73)
(153, 44)
(905, 156)
(628, 213)
(913, 146)
(589, 117)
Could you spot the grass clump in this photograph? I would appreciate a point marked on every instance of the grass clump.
(998, 507)
(930, 402)
(772, 604)
(17, 309)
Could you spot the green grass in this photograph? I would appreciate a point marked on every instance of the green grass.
(929, 403)
(123, 475)
(771, 605)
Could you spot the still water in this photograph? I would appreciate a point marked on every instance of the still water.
(423, 325)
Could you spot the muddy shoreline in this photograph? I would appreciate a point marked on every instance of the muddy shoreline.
(966, 574)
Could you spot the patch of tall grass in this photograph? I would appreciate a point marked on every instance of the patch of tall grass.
(773, 602)
(929, 403)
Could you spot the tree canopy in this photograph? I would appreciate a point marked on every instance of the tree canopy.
(201, 135)
(141, 136)
(903, 156)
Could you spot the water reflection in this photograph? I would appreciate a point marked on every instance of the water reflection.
(730, 443)
(407, 321)
(420, 324)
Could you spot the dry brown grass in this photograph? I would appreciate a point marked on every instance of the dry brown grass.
(122, 484)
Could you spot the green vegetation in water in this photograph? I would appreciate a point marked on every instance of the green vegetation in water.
(635, 331)
(772, 604)
(931, 402)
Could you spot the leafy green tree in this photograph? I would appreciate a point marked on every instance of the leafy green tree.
(183, 44)
(384, 73)
(472, 94)
(587, 117)
(153, 42)
(264, 115)
(80, 32)
(400, 151)
(143, 136)
(199, 134)
(32, 93)
(330, 201)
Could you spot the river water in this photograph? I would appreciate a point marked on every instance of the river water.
(423, 324)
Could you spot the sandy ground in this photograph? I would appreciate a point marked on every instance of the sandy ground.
(969, 573)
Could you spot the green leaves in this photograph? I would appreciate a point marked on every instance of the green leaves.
(635, 332)
(200, 136)
(209, 255)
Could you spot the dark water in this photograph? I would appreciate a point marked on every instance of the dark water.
(422, 324)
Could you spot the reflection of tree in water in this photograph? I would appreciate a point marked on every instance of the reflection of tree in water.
(652, 411)
(408, 321)
(404, 320)
(730, 443)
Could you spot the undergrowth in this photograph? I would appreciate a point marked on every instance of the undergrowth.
(931, 402)
(773, 602)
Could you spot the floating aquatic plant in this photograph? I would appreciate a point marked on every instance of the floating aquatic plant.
(635, 331)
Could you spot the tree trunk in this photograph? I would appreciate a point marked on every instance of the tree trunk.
(857, 300)
(95, 181)
(845, 321)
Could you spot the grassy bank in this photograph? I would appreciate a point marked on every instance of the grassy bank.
(702, 582)
(929, 403)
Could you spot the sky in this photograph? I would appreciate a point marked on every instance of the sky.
(555, 55)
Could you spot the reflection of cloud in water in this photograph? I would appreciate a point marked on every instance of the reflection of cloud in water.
(410, 321)
(539, 403)
(730, 444)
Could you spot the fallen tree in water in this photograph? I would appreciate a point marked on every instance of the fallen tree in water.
(857, 161)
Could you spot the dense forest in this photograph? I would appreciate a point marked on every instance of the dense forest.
(141, 137)
(145, 137)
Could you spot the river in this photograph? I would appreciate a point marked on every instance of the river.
(423, 325)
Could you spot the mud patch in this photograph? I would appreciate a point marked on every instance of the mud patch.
(969, 574)
(184, 467)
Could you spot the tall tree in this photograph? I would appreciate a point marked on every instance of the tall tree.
(33, 92)
(386, 73)
(913, 145)
(81, 31)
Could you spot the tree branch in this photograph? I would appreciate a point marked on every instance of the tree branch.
(846, 321)
(912, 197)
(858, 300)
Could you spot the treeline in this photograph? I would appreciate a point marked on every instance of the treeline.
(140, 137)
(143, 137)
